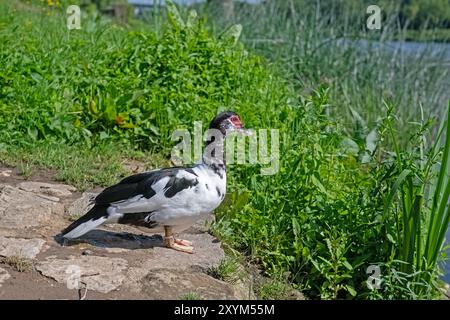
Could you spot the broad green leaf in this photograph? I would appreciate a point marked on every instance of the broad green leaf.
(390, 238)
(103, 135)
(347, 265)
(351, 290)
(318, 184)
(371, 141)
(349, 146)
(389, 200)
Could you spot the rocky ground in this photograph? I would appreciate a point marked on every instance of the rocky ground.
(112, 262)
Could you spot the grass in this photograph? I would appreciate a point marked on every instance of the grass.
(231, 270)
(190, 296)
(82, 166)
(25, 169)
(228, 270)
(18, 263)
(363, 178)
(274, 290)
(439, 195)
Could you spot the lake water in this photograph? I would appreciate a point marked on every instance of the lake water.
(438, 50)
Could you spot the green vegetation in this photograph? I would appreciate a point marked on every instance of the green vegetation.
(364, 170)
(410, 14)
(106, 83)
(325, 217)
(315, 49)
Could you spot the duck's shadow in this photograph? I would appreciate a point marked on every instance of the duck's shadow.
(109, 239)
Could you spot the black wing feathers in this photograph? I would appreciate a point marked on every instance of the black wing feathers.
(175, 185)
(118, 192)
(140, 184)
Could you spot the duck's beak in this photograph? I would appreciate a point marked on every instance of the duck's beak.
(240, 131)
(245, 131)
(238, 127)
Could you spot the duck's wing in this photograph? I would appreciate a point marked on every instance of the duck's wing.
(134, 199)
(168, 181)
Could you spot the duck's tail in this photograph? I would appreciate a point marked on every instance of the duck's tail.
(92, 219)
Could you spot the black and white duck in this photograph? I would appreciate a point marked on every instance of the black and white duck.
(167, 200)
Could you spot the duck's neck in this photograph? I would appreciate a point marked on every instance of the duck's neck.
(214, 156)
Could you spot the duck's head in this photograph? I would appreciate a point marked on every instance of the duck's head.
(228, 122)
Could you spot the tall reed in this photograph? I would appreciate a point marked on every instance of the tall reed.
(422, 191)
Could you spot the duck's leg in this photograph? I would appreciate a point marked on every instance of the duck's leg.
(176, 244)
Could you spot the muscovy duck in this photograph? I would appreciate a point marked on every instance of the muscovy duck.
(165, 200)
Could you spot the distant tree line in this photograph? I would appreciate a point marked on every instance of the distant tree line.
(434, 13)
(416, 13)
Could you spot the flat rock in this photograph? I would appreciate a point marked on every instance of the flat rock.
(173, 284)
(95, 273)
(26, 248)
(80, 206)
(4, 275)
(51, 189)
(20, 209)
